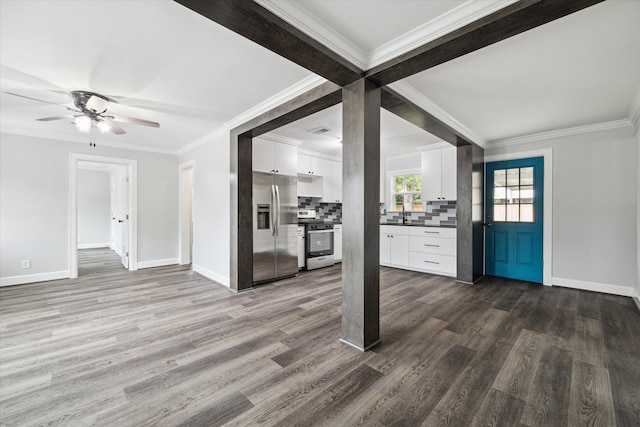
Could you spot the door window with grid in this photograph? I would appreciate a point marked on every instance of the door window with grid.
(513, 196)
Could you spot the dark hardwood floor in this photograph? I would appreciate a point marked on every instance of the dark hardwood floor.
(165, 346)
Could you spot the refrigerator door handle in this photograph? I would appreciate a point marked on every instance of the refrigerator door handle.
(278, 211)
(272, 202)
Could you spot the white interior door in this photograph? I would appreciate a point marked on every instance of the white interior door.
(186, 214)
(124, 218)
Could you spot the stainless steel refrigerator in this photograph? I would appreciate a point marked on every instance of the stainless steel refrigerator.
(275, 226)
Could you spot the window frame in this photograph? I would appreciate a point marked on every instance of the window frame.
(391, 179)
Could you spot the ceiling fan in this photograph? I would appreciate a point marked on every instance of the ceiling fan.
(91, 111)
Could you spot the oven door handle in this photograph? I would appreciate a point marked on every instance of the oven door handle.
(320, 231)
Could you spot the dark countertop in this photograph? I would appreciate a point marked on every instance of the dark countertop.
(418, 225)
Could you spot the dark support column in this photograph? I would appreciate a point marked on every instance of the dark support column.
(241, 219)
(470, 213)
(360, 215)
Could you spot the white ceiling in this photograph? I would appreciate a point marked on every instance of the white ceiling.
(168, 64)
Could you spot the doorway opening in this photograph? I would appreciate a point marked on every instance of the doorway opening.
(186, 213)
(103, 207)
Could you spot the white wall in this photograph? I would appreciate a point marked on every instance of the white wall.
(34, 205)
(211, 209)
(637, 295)
(594, 209)
(94, 208)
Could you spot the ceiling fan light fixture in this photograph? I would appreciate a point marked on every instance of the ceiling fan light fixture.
(83, 123)
(104, 126)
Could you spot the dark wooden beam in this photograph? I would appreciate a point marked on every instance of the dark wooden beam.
(317, 99)
(404, 108)
(256, 23)
(241, 230)
(507, 22)
(470, 213)
(360, 214)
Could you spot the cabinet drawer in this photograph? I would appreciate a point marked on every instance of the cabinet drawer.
(432, 245)
(395, 229)
(438, 263)
(448, 233)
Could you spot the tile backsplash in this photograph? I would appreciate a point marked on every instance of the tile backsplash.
(437, 213)
(328, 212)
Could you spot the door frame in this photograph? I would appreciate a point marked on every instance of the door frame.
(132, 169)
(185, 223)
(547, 226)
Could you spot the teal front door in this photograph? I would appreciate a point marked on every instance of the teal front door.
(513, 224)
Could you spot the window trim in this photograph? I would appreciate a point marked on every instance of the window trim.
(391, 185)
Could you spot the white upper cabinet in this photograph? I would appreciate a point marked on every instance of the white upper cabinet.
(332, 182)
(286, 159)
(439, 174)
(308, 165)
(449, 173)
(273, 157)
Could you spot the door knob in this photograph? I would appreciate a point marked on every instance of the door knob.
(487, 224)
(120, 220)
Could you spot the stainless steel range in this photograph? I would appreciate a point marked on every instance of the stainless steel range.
(319, 245)
(318, 239)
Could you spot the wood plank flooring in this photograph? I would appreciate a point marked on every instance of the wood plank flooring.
(167, 347)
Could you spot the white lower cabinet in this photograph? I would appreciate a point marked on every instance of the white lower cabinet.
(426, 249)
(433, 250)
(337, 243)
(394, 246)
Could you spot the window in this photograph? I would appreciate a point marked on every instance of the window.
(406, 190)
(513, 195)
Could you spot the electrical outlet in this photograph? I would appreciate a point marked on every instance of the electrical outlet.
(26, 263)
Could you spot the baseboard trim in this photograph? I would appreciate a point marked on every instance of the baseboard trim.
(158, 263)
(94, 245)
(33, 278)
(593, 286)
(636, 299)
(357, 347)
(211, 275)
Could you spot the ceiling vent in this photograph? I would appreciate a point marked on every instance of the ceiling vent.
(320, 130)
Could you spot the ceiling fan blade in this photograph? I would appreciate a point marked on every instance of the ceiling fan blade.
(41, 100)
(115, 129)
(134, 121)
(48, 119)
(29, 80)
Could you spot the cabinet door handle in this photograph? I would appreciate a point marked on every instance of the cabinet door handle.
(431, 232)
(432, 262)
(432, 246)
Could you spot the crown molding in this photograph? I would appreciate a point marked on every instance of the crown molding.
(304, 21)
(291, 92)
(634, 110)
(210, 137)
(452, 20)
(458, 17)
(436, 146)
(422, 101)
(280, 139)
(319, 155)
(65, 138)
(561, 133)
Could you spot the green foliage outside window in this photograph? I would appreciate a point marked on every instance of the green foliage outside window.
(407, 191)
